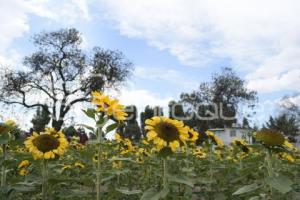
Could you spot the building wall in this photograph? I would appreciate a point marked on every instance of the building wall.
(297, 144)
(228, 134)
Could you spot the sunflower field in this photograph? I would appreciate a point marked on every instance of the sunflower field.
(173, 162)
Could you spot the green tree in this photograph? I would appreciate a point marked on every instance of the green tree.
(70, 131)
(62, 73)
(290, 108)
(176, 110)
(245, 123)
(285, 124)
(215, 99)
(130, 128)
(40, 119)
(148, 113)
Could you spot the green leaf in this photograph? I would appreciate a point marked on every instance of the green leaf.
(163, 193)
(77, 192)
(101, 122)
(165, 152)
(25, 187)
(119, 172)
(281, 183)
(150, 194)
(219, 196)
(153, 194)
(246, 189)
(122, 159)
(90, 113)
(4, 138)
(128, 192)
(88, 127)
(181, 179)
(255, 198)
(93, 142)
(103, 180)
(111, 127)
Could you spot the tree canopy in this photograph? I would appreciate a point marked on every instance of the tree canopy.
(215, 104)
(40, 119)
(285, 124)
(131, 129)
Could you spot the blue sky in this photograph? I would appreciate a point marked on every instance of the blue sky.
(174, 45)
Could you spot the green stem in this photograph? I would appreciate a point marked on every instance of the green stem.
(165, 182)
(210, 163)
(99, 163)
(270, 166)
(45, 179)
(149, 174)
(3, 170)
(187, 155)
(269, 163)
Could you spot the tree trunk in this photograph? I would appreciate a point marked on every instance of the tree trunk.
(57, 124)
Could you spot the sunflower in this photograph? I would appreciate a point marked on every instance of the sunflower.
(145, 142)
(270, 137)
(104, 156)
(118, 137)
(47, 145)
(10, 122)
(20, 150)
(116, 164)
(242, 144)
(215, 139)
(65, 167)
(109, 106)
(193, 135)
(219, 154)
(23, 172)
(24, 164)
(7, 126)
(127, 146)
(199, 153)
(165, 132)
(79, 165)
(116, 110)
(286, 156)
(95, 158)
(289, 146)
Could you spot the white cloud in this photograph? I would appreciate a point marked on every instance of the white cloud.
(290, 101)
(280, 82)
(14, 19)
(64, 12)
(171, 76)
(13, 22)
(141, 98)
(261, 37)
(10, 58)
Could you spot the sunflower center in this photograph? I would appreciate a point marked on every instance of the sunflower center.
(46, 142)
(167, 131)
(190, 135)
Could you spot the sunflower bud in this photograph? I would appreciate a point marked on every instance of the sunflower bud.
(270, 137)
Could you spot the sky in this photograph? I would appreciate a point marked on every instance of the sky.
(174, 44)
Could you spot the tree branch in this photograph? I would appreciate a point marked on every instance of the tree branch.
(23, 102)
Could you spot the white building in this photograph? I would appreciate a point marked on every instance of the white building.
(297, 144)
(228, 134)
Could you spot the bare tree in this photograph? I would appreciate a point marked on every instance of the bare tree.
(61, 74)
